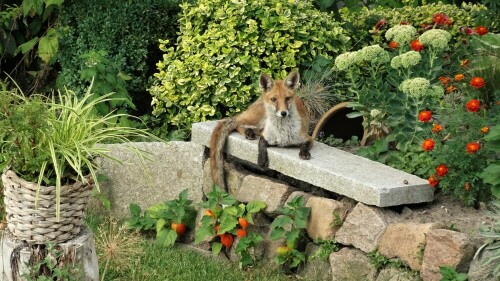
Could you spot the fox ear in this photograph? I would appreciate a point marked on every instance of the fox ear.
(265, 82)
(292, 81)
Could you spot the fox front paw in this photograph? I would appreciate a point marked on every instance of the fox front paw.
(250, 134)
(305, 155)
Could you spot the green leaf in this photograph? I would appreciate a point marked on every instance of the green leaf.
(166, 237)
(183, 195)
(255, 206)
(232, 211)
(277, 233)
(281, 221)
(216, 248)
(227, 223)
(48, 45)
(203, 233)
(57, 3)
(28, 46)
(135, 209)
(159, 225)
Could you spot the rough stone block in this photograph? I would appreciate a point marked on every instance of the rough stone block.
(327, 215)
(234, 178)
(406, 241)
(363, 227)
(315, 268)
(170, 168)
(351, 264)
(332, 169)
(396, 274)
(445, 248)
(272, 193)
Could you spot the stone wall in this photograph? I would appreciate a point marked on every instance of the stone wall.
(359, 229)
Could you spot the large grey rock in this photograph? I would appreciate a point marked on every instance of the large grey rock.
(79, 251)
(351, 264)
(315, 268)
(272, 193)
(332, 169)
(170, 168)
(364, 227)
(234, 178)
(396, 274)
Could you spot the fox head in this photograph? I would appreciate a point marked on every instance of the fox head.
(279, 95)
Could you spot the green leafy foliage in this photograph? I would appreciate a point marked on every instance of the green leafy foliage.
(492, 244)
(224, 215)
(29, 41)
(224, 46)
(450, 274)
(491, 174)
(326, 247)
(116, 45)
(288, 225)
(161, 217)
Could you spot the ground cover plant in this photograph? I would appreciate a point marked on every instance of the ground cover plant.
(224, 46)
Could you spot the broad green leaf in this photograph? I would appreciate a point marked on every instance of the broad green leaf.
(166, 237)
(183, 195)
(232, 211)
(216, 248)
(255, 206)
(277, 233)
(48, 45)
(28, 46)
(203, 233)
(159, 225)
(227, 224)
(135, 209)
(57, 3)
(281, 221)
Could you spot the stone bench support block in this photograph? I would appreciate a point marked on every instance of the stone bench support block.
(332, 169)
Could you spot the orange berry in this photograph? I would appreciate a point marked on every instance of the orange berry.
(226, 240)
(243, 222)
(241, 233)
(283, 250)
(209, 213)
(180, 228)
(217, 227)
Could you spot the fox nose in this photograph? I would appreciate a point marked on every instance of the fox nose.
(283, 113)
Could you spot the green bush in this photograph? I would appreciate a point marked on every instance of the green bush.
(212, 71)
(117, 43)
(361, 24)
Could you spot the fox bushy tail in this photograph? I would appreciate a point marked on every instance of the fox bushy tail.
(217, 143)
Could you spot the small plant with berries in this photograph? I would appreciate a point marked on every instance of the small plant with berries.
(224, 219)
(290, 226)
(169, 220)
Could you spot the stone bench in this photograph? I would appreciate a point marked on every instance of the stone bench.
(332, 169)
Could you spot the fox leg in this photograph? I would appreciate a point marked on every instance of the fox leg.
(305, 147)
(249, 133)
(262, 159)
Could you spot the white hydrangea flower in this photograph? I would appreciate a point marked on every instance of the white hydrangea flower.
(436, 91)
(346, 60)
(406, 60)
(436, 38)
(374, 54)
(401, 34)
(415, 87)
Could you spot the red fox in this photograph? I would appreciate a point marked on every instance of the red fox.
(279, 117)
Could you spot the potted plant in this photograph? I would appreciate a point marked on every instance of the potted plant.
(47, 147)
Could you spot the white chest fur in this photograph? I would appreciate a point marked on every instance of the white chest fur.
(283, 131)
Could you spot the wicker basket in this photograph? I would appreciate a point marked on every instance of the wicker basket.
(39, 225)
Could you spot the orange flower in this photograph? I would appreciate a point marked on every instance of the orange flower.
(473, 105)
(477, 82)
(444, 80)
(433, 180)
(481, 30)
(425, 116)
(442, 170)
(415, 45)
(464, 63)
(393, 45)
(440, 18)
(428, 144)
(472, 147)
(467, 186)
(485, 129)
(450, 89)
(459, 77)
(437, 128)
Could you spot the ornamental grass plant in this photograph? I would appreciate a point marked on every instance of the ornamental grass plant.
(435, 104)
(53, 141)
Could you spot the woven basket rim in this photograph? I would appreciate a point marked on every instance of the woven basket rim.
(30, 184)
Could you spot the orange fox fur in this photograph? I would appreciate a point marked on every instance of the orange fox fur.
(278, 117)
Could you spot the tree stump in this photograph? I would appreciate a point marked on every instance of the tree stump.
(16, 254)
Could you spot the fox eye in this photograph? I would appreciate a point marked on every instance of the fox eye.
(273, 99)
(287, 99)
